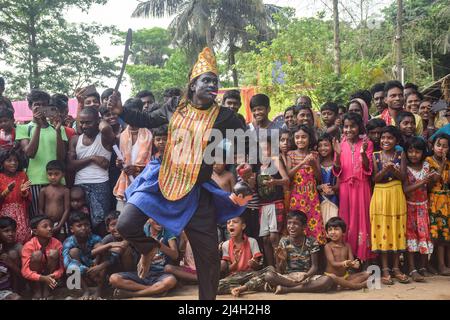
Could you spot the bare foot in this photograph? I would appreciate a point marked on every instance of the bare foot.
(444, 271)
(86, 295)
(236, 292)
(122, 294)
(279, 290)
(145, 262)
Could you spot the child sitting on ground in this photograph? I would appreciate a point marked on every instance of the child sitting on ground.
(42, 261)
(156, 281)
(6, 290)
(298, 261)
(187, 270)
(120, 256)
(54, 199)
(10, 251)
(77, 253)
(340, 258)
(78, 200)
(242, 261)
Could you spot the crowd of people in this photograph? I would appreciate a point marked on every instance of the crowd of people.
(352, 188)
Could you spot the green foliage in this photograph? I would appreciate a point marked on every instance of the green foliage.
(150, 46)
(305, 49)
(47, 52)
(174, 73)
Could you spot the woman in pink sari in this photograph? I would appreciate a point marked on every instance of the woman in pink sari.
(353, 163)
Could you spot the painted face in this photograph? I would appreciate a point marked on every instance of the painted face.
(351, 130)
(11, 164)
(325, 148)
(206, 88)
(235, 227)
(395, 99)
(424, 110)
(440, 147)
(378, 101)
(354, 107)
(407, 126)
(388, 141)
(233, 104)
(305, 117)
(412, 103)
(284, 143)
(334, 233)
(289, 119)
(414, 155)
(295, 227)
(328, 117)
(301, 139)
(375, 136)
(260, 113)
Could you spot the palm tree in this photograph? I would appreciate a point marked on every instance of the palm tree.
(212, 23)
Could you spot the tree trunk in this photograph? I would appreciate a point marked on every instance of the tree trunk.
(232, 62)
(32, 49)
(432, 60)
(398, 39)
(337, 48)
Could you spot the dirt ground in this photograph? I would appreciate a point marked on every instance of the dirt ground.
(436, 288)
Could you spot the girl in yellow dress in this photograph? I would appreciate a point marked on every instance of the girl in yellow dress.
(388, 206)
(439, 201)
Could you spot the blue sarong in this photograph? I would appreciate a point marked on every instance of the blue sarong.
(144, 193)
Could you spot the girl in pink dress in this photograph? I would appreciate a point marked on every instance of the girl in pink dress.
(15, 195)
(304, 169)
(353, 166)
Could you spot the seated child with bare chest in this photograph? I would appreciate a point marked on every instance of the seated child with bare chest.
(54, 199)
(340, 260)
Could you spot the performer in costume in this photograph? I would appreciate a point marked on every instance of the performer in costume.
(180, 195)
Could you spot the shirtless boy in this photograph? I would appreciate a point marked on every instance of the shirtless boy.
(54, 199)
(340, 258)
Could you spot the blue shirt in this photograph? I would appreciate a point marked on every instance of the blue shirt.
(160, 259)
(87, 260)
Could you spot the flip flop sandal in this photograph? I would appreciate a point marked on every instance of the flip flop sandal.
(401, 277)
(416, 276)
(387, 280)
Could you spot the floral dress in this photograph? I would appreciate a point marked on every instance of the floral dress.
(418, 220)
(304, 197)
(439, 203)
(15, 205)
